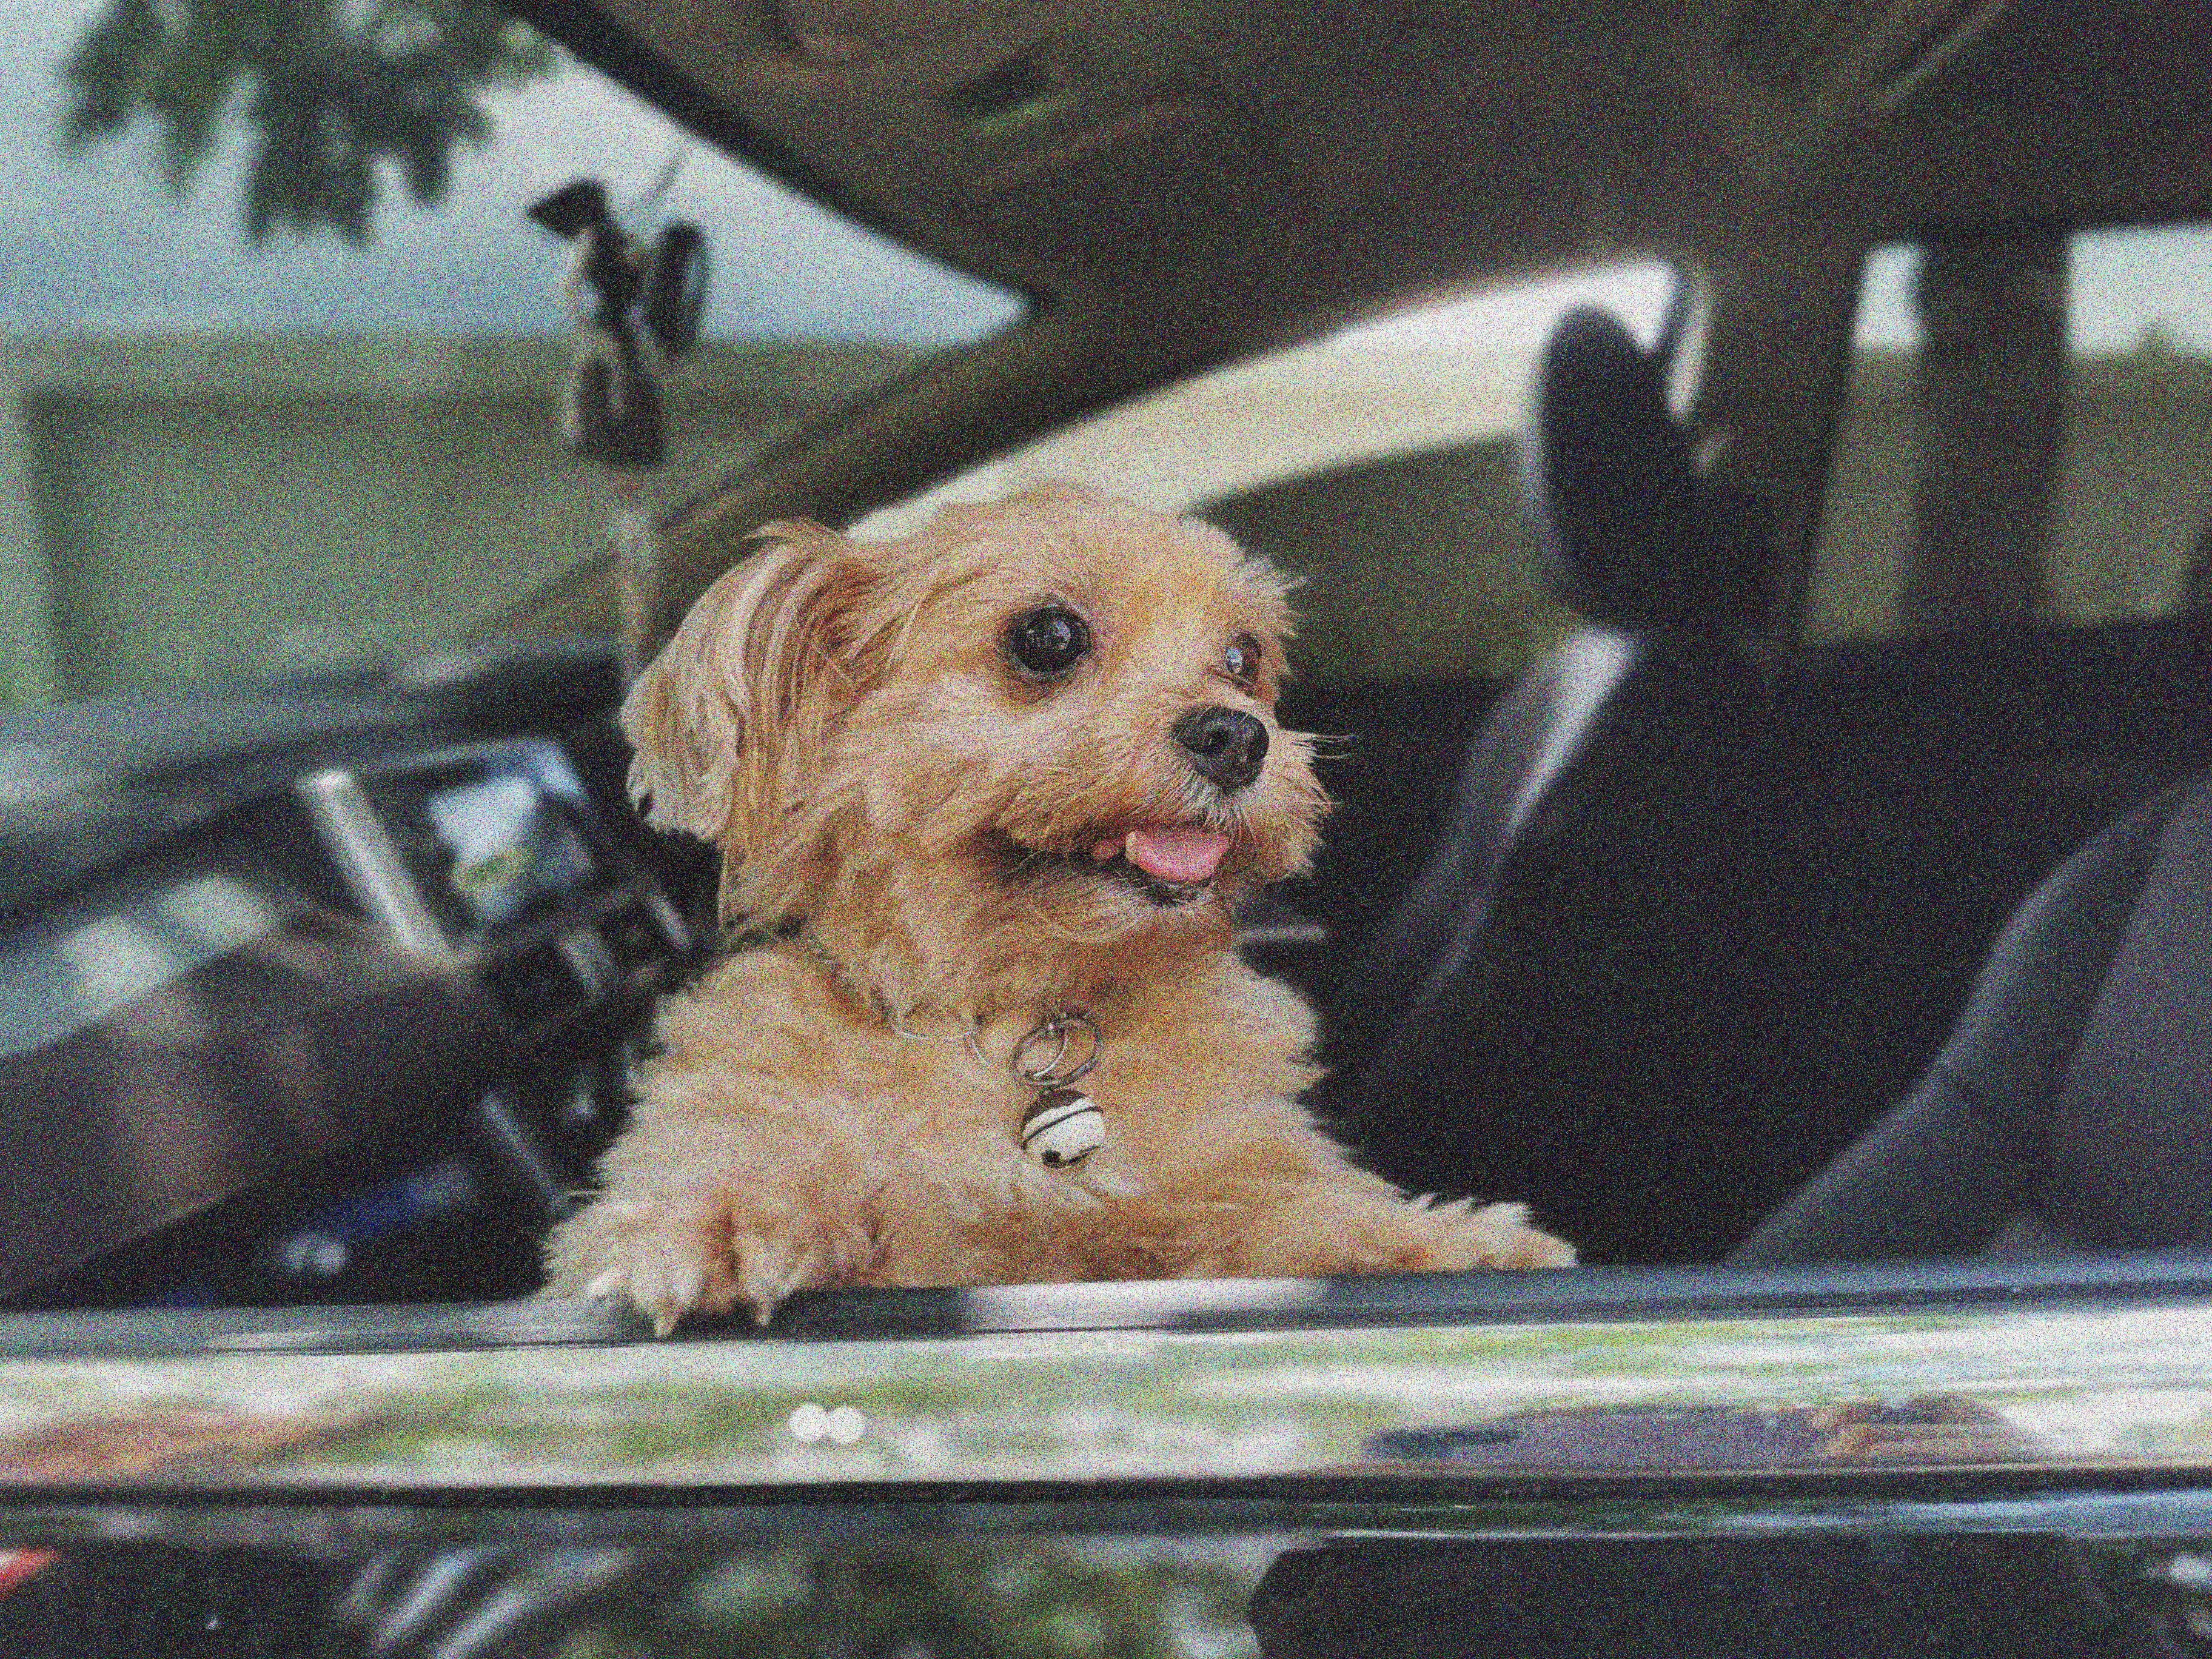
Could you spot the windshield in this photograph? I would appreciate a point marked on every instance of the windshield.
(283, 351)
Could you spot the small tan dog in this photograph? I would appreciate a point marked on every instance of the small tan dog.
(999, 784)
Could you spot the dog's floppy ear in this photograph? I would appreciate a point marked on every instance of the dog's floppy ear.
(728, 719)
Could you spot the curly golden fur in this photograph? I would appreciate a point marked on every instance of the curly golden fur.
(954, 846)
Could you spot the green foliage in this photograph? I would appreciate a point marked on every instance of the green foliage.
(331, 90)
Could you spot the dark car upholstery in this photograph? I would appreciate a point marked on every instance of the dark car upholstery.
(1556, 921)
(2069, 1110)
(1705, 908)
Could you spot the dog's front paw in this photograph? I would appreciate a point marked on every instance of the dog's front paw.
(670, 1255)
(1492, 1235)
(1376, 1231)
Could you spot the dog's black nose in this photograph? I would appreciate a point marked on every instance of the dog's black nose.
(1225, 744)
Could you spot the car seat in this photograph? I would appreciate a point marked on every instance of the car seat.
(1600, 806)
(1706, 905)
(2072, 1108)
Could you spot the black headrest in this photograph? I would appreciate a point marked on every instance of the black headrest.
(1634, 541)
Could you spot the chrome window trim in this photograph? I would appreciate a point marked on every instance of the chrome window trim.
(1232, 1405)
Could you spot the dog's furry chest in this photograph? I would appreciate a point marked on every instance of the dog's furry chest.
(915, 1133)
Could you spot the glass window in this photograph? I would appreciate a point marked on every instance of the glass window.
(1996, 479)
(1381, 463)
(225, 458)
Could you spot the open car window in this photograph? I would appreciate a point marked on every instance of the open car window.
(258, 432)
(2058, 473)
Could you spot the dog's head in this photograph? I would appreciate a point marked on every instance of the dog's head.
(1041, 726)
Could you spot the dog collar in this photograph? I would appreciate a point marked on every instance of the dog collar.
(1065, 1043)
(1061, 1127)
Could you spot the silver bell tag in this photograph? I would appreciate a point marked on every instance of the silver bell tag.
(1063, 1128)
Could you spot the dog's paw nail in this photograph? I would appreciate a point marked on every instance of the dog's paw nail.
(802, 1268)
(686, 1285)
(766, 1271)
(649, 1290)
(664, 1319)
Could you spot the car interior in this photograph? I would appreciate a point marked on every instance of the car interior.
(1748, 468)
(1832, 778)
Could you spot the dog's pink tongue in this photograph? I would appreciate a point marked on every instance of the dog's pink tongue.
(1177, 855)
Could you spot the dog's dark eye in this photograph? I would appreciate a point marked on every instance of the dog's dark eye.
(1050, 640)
(1240, 662)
